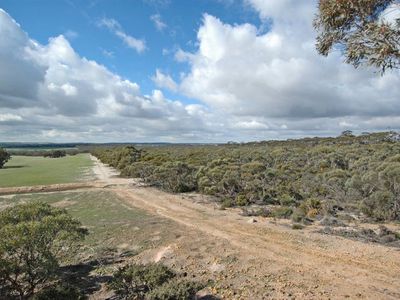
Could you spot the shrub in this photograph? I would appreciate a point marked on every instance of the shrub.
(286, 200)
(55, 154)
(175, 177)
(241, 200)
(227, 202)
(4, 157)
(307, 210)
(135, 281)
(298, 215)
(256, 212)
(380, 206)
(297, 226)
(33, 238)
(176, 289)
(282, 212)
(60, 292)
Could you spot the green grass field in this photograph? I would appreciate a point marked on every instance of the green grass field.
(29, 170)
(113, 226)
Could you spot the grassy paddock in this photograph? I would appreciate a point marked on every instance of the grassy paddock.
(113, 226)
(29, 171)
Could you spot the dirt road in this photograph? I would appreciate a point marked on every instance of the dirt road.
(299, 264)
(305, 264)
(261, 260)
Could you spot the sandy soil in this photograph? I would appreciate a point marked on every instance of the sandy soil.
(282, 263)
(108, 175)
(260, 260)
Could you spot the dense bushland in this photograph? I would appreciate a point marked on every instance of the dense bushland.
(304, 178)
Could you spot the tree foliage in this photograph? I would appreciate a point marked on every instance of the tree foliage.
(4, 157)
(34, 237)
(55, 153)
(359, 30)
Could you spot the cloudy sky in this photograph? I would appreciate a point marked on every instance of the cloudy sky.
(179, 71)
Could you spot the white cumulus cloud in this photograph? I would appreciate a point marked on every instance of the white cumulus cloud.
(277, 77)
(164, 81)
(49, 92)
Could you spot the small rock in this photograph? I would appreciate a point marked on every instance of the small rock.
(252, 220)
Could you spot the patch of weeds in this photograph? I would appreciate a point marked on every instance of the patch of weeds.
(227, 202)
(332, 222)
(297, 226)
(129, 253)
(383, 235)
(60, 291)
(230, 259)
(152, 281)
(176, 289)
(282, 212)
(256, 212)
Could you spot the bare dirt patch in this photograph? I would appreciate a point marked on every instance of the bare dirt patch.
(107, 174)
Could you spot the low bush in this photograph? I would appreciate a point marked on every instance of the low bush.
(135, 281)
(55, 154)
(34, 239)
(153, 281)
(297, 226)
(256, 212)
(60, 291)
(176, 289)
(382, 236)
(282, 212)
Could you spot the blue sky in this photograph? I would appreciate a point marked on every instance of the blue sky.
(179, 71)
(79, 21)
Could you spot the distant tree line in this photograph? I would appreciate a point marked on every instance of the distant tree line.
(303, 178)
(54, 153)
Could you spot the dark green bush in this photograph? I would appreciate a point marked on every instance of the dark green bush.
(175, 177)
(135, 281)
(283, 212)
(298, 215)
(55, 153)
(60, 292)
(34, 239)
(176, 289)
(4, 157)
(297, 226)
